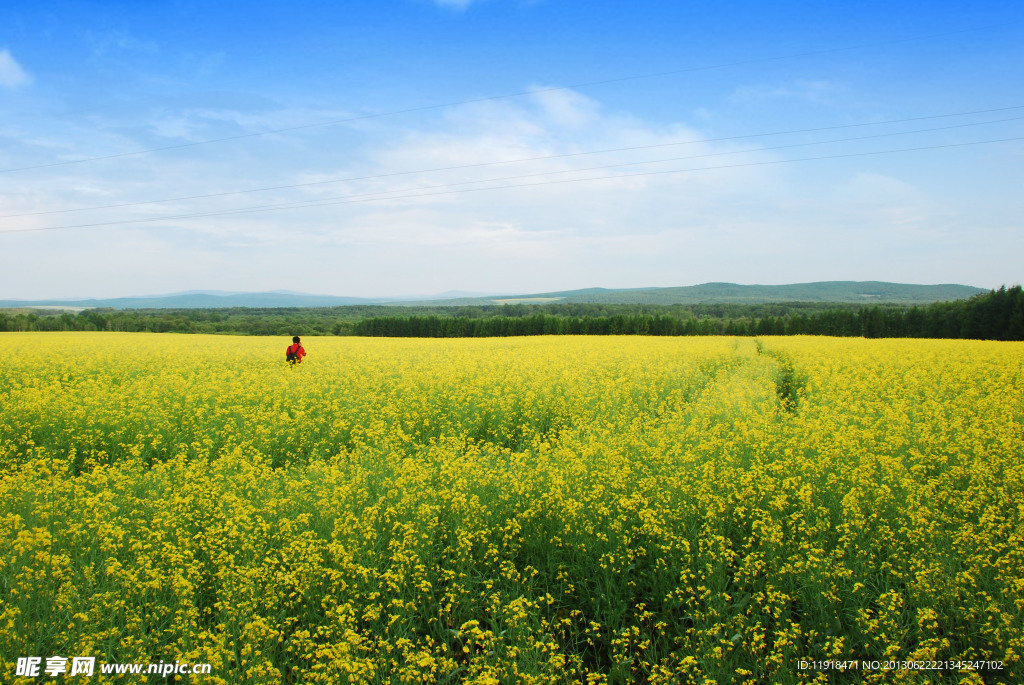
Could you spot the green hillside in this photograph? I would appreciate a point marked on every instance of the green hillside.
(856, 292)
(851, 292)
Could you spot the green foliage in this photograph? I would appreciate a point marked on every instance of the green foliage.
(996, 315)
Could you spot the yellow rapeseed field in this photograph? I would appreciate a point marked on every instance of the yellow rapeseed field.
(515, 510)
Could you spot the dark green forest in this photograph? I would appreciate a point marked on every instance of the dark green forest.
(995, 315)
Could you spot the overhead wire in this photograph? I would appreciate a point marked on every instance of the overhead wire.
(520, 185)
(382, 195)
(585, 84)
(542, 158)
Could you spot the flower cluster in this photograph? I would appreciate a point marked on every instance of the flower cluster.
(515, 510)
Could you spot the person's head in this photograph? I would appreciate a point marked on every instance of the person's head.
(295, 339)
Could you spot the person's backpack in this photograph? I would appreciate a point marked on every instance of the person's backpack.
(291, 355)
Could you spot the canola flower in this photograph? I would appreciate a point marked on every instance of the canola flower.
(538, 510)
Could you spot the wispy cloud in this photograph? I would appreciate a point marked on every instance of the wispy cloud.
(816, 91)
(545, 218)
(11, 73)
(112, 41)
(455, 4)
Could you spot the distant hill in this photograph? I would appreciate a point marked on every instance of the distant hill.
(200, 300)
(864, 292)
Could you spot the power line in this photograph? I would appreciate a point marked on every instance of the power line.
(584, 84)
(540, 158)
(519, 185)
(383, 195)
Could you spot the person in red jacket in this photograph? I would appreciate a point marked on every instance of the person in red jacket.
(294, 353)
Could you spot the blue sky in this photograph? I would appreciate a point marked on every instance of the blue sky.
(618, 112)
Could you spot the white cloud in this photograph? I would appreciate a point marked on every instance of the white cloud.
(110, 41)
(455, 4)
(11, 73)
(872, 189)
(820, 92)
(566, 108)
(759, 223)
(558, 227)
(557, 231)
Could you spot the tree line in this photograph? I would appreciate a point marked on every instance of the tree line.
(996, 315)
